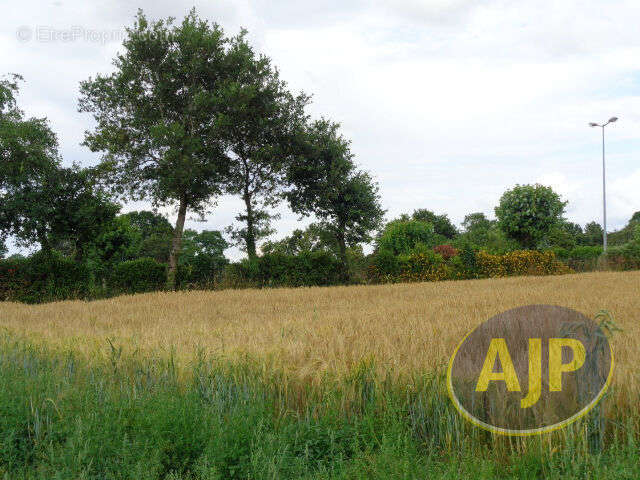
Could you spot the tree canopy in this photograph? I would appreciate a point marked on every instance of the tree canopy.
(527, 213)
(325, 182)
(160, 116)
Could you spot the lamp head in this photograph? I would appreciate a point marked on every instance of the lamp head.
(613, 119)
(593, 124)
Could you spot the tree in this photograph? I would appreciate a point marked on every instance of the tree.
(41, 202)
(28, 158)
(119, 242)
(3, 249)
(325, 182)
(262, 117)
(400, 237)
(624, 235)
(160, 117)
(441, 223)
(313, 238)
(207, 242)
(477, 221)
(477, 229)
(80, 210)
(202, 259)
(155, 234)
(593, 233)
(527, 213)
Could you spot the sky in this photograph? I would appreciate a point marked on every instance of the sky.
(448, 103)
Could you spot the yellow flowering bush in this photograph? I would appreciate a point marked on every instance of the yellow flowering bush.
(429, 266)
(520, 262)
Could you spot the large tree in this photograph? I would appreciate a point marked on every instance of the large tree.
(313, 238)
(593, 233)
(155, 234)
(441, 223)
(40, 201)
(160, 116)
(527, 213)
(262, 117)
(325, 182)
(28, 157)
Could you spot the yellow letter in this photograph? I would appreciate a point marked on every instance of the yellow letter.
(535, 373)
(556, 367)
(498, 347)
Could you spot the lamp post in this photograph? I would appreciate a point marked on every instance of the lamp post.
(604, 190)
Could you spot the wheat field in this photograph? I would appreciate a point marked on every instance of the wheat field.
(310, 331)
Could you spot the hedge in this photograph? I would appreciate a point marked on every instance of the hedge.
(43, 277)
(137, 276)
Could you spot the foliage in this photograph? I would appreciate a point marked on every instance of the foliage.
(522, 262)
(132, 418)
(324, 182)
(402, 236)
(315, 237)
(527, 213)
(467, 263)
(593, 234)
(257, 226)
(160, 116)
(140, 275)
(446, 251)
(202, 261)
(428, 266)
(43, 277)
(41, 202)
(626, 234)
(155, 234)
(261, 120)
(309, 268)
(441, 223)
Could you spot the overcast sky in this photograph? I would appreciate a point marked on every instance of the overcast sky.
(447, 102)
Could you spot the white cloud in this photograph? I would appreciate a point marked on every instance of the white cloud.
(448, 103)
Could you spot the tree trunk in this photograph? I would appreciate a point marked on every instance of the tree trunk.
(250, 238)
(175, 245)
(344, 274)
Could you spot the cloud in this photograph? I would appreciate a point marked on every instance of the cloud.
(447, 103)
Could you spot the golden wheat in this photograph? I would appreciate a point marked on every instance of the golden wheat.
(309, 331)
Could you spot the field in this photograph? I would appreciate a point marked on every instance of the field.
(340, 382)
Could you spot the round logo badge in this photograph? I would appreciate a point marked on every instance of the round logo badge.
(530, 370)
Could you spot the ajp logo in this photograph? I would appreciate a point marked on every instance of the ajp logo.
(530, 370)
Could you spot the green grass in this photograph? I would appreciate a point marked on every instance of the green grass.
(134, 418)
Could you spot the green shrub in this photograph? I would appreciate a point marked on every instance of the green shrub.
(201, 271)
(402, 236)
(428, 266)
(281, 270)
(585, 252)
(43, 277)
(140, 275)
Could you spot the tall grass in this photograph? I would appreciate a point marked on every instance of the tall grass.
(133, 417)
(342, 382)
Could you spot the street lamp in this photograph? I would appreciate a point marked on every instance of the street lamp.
(604, 191)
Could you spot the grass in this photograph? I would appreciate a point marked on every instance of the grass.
(342, 382)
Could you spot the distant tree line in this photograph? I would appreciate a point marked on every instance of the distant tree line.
(189, 114)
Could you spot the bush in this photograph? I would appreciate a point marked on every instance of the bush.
(281, 270)
(520, 262)
(43, 277)
(402, 236)
(446, 251)
(428, 266)
(201, 271)
(137, 276)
